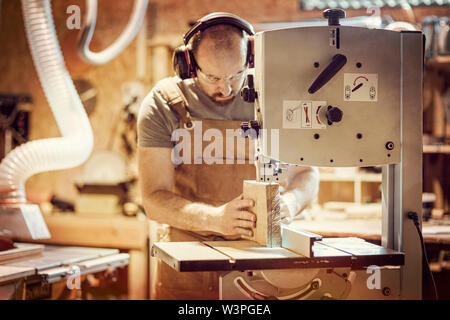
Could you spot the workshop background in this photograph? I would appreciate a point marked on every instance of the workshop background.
(79, 214)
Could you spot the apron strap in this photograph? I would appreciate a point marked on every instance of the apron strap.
(172, 94)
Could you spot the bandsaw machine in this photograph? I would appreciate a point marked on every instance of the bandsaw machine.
(329, 96)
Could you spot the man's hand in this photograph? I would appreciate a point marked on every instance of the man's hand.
(232, 218)
(285, 214)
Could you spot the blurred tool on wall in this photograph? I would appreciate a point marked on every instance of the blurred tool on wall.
(104, 186)
(14, 121)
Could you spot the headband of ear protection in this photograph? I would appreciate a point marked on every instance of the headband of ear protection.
(183, 58)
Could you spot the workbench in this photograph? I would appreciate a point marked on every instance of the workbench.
(130, 234)
(54, 271)
(369, 229)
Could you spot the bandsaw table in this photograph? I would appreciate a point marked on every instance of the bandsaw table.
(248, 255)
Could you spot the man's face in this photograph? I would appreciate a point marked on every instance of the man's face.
(221, 73)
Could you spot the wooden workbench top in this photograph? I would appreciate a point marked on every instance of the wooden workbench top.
(115, 232)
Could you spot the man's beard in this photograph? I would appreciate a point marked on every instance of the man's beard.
(222, 103)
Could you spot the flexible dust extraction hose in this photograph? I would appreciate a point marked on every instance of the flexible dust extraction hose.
(76, 143)
(129, 33)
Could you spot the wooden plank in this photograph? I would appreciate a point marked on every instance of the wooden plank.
(21, 250)
(267, 231)
(118, 232)
(8, 273)
(55, 256)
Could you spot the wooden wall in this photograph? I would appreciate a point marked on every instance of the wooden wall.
(167, 21)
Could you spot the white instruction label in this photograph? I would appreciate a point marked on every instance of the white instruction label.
(303, 114)
(361, 87)
(292, 118)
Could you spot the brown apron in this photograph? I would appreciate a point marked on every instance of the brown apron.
(213, 184)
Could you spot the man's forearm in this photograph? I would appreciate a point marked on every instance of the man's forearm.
(166, 207)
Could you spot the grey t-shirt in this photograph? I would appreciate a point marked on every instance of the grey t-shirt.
(156, 121)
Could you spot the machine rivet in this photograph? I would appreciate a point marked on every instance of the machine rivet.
(358, 64)
(315, 285)
(389, 145)
(386, 291)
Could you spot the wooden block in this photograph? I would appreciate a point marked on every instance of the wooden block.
(267, 231)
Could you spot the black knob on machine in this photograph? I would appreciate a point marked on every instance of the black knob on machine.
(334, 114)
(333, 16)
(248, 93)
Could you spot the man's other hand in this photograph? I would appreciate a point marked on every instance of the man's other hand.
(285, 213)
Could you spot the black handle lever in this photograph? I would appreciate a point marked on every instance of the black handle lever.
(329, 72)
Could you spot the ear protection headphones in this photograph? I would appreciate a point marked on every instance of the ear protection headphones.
(183, 58)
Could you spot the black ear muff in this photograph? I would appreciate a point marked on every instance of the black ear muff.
(251, 52)
(184, 63)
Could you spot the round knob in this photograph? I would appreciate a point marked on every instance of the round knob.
(334, 114)
(333, 16)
